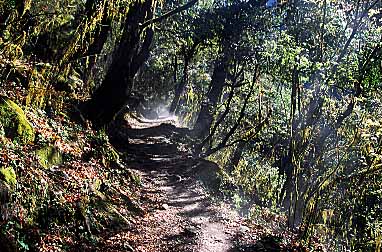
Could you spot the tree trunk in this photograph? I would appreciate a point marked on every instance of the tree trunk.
(112, 95)
(205, 117)
(101, 32)
(101, 35)
(132, 52)
(179, 89)
(236, 156)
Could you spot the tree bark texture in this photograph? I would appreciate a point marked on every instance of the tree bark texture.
(179, 88)
(205, 117)
(112, 95)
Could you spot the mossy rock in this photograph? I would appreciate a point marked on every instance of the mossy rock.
(8, 175)
(49, 156)
(15, 123)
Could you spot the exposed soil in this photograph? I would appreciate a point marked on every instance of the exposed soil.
(180, 214)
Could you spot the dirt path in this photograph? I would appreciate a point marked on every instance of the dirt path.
(180, 215)
(185, 218)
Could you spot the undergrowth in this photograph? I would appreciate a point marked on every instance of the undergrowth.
(63, 206)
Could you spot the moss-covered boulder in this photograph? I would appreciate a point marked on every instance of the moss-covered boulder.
(14, 121)
(49, 156)
(8, 175)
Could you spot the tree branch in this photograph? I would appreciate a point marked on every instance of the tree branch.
(223, 143)
(169, 14)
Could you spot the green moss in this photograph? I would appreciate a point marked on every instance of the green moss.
(8, 175)
(14, 121)
(49, 156)
(112, 154)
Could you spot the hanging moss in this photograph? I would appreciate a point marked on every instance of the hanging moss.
(49, 156)
(8, 175)
(15, 124)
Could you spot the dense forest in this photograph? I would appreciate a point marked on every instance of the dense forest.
(284, 97)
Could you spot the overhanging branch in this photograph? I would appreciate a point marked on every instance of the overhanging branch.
(169, 14)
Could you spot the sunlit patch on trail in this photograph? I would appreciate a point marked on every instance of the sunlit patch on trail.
(152, 117)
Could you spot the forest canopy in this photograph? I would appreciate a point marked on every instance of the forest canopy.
(284, 95)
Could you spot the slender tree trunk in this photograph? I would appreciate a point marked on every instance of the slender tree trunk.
(179, 89)
(236, 156)
(236, 125)
(205, 117)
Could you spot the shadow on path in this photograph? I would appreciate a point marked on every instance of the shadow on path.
(181, 215)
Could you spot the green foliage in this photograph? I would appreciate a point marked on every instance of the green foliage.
(311, 71)
(260, 179)
(103, 149)
(309, 124)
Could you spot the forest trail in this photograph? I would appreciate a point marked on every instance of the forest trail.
(179, 213)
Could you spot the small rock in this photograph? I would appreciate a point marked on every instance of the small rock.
(190, 231)
(165, 207)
